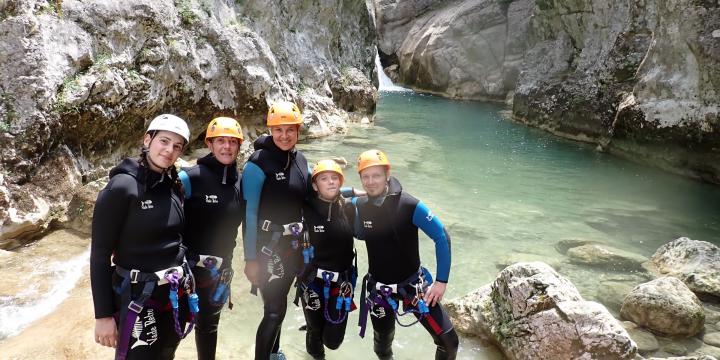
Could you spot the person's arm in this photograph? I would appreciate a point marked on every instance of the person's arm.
(108, 219)
(253, 179)
(431, 225)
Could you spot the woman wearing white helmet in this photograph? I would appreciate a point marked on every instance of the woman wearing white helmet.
(137, 224)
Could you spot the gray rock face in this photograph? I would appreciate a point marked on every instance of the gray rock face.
(81, 82)
(638, 78)
(665, 306)
(696, 263)
(459, 49)
(532, 312)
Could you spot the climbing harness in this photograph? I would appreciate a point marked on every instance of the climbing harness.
(267, 256)
(411, 291)
(132, 307)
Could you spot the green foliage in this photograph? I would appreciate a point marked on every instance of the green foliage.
(70, 84)
(134, 76)
(4, 126)
(102, 62)
(51, 7)
(187, 15)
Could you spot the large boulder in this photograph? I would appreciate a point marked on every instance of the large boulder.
(696, 263)
(532, 312)
(465, 49)
(665, 306)
(81, 80)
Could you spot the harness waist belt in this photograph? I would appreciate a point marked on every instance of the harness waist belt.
(210, 259)
(136, 276)
(293, 228)
(335, 275)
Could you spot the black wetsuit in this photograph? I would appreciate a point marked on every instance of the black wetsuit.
(389, 225)
(214, 209)
(330, 229)
(138, 220)
(275, 184)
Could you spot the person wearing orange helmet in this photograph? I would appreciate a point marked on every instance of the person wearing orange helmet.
(327, 282)
(275, 184)
(214, 209)
(388, 220)
(137, 268)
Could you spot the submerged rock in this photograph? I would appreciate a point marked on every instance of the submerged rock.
(696, 263)
(645, 340)
(665, 306)
(532, 312)
(606, 257)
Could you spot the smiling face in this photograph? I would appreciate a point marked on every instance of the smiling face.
(327, 184)
(224, 148)
(374, 179)
(285, 136)
(163, 149)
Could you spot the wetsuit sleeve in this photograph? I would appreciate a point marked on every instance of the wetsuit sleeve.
(347, 191)
(357, 228)
(253, 179)
(430, 224)
(108, 219)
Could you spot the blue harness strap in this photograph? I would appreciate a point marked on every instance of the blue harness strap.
(187, 186)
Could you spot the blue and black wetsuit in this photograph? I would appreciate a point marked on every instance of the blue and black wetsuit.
(214, 209)
(389, 225)
(138, 220)
(275, 185)
(330, 232)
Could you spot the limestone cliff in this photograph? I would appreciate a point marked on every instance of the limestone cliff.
(638, 78)
(80, 80)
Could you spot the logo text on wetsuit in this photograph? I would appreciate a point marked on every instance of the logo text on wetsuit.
(430, 216)
(211, 199)
(367, 224)
(319, 228)
(146, 204)
(280, 176)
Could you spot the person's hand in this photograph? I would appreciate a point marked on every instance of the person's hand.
(106, 332)
(252, 270)
(435, 293)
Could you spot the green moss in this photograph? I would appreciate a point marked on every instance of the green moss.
(187, 15)
(102, 62)
(69, 85)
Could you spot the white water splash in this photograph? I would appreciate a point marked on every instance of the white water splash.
(62, 275)
(385, 83)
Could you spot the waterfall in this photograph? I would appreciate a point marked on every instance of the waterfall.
(385, 83)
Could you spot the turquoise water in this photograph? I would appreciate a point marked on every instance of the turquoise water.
(505, 192)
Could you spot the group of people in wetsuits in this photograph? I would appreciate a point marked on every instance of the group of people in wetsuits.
(163, 240)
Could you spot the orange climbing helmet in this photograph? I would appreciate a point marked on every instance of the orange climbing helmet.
(224, 126)
(327, 165)
(284, 113)
(372, 158)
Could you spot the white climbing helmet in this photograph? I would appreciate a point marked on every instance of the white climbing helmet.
(172, 123)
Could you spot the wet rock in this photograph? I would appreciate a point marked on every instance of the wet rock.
(712, 339)
(531, 311)
(563, 246)
(468, 312)
(353, 92)
(612, 294)
(708, 350)
(81, 207)
(606, 257)
(517, 257)
(645, 340)
(675, 349)
(665, 306)
(696, 263)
